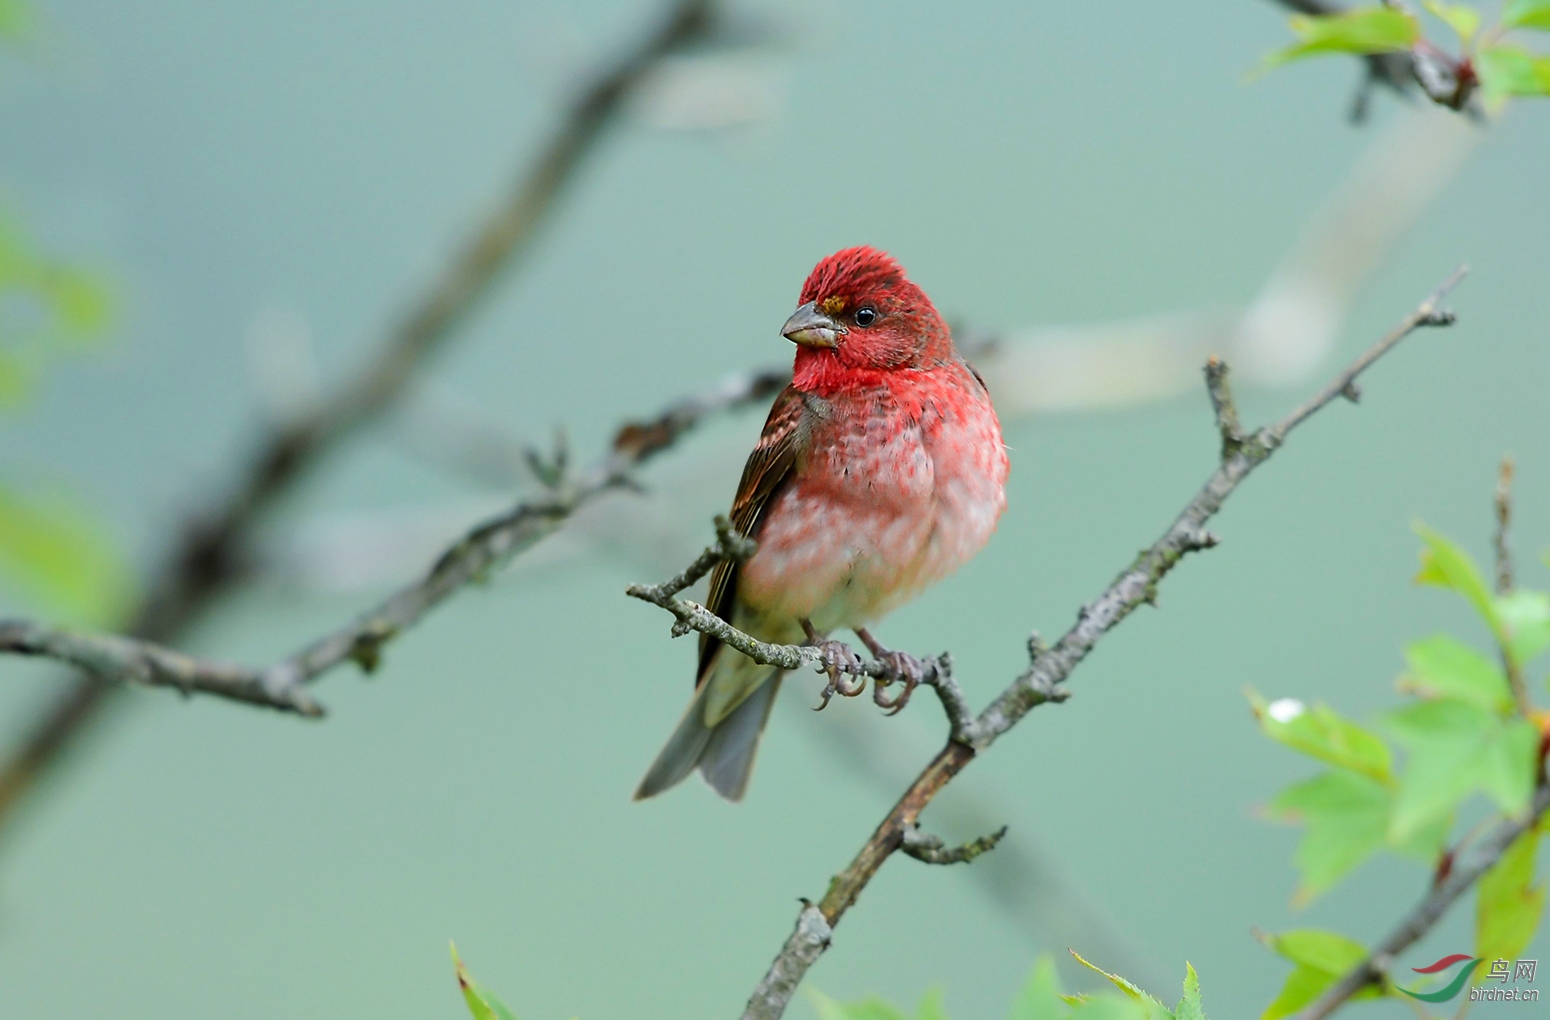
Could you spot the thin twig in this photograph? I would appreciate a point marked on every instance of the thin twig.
(1503, 524)
(1219, 388)
(930, 849)
(1050, 667)
(475, 556)
(208, 557)
(1425, 914)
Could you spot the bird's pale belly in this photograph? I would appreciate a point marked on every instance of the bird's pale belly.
(859, 534)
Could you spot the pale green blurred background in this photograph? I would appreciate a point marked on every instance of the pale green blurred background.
(1030, 164)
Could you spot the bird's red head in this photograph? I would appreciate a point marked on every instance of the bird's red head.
(859, 311)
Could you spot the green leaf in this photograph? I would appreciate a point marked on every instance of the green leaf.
(1441, 667)
(1301, 987)
(1324, 734)
(1446, 565)
(931, 1006)
(1425, 843)
(1508, 905)
(1527, 14)
(1131, 990)
(54, 552)
(1455, 750)
(15, 20)
(1512, 71)
(1366, 30)
(1112, 1007)
(1347, 816)
(1463, 19)
(482, 1003)
(1321, 958)
(870, 1009)
(1525, 620)
(1189, 1007)
(1314, 947)
(1040, 995)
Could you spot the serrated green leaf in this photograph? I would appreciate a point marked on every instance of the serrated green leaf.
(1441, 667)
(1525, 620)
(1040, 995)
(1366, 30)
(1347, 819)
(1463, 19)
(482, 1003)
(1321, 957)
(1527, 14)
(1323, 733)
(1456, 749)
(1512, 71)
(1446, 565)
(1189, 1007)
(1132, 991)
(54, 552)
(1508, 904)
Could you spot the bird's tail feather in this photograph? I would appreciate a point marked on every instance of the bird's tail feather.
(724, 753)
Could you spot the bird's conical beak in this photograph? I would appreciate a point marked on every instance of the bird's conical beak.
(811, 328)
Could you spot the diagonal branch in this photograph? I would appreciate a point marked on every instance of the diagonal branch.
(1425, 914)
(1049, 668)
(207, 558)
(484, 549)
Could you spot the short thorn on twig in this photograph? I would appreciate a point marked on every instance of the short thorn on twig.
(733, 546)
(1440, 317)
(931, 850)
(1352, 392)
(551, 470)
(1036, 647)
(1220, 390)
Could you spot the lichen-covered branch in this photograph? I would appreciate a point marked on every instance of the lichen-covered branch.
(207, 557)
(1050, 667)
(1465, 872)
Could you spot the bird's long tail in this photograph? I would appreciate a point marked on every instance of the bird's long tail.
(723, 750)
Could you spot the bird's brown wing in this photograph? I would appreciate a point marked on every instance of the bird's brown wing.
(768, 467)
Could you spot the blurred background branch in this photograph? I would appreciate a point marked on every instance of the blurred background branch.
(209, 553)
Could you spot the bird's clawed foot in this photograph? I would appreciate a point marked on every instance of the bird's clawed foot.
(901, 666)
(839, 662)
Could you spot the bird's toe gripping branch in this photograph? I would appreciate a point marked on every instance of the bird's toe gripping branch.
(837, 661)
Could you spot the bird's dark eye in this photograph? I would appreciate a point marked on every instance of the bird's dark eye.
(866, 315)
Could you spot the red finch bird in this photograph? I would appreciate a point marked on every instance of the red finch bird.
(880, 471)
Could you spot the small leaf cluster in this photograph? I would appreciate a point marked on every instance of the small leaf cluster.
(46, 306)
(1484, 57)
(51, 548)
(1041, 998)
(1469, 731)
